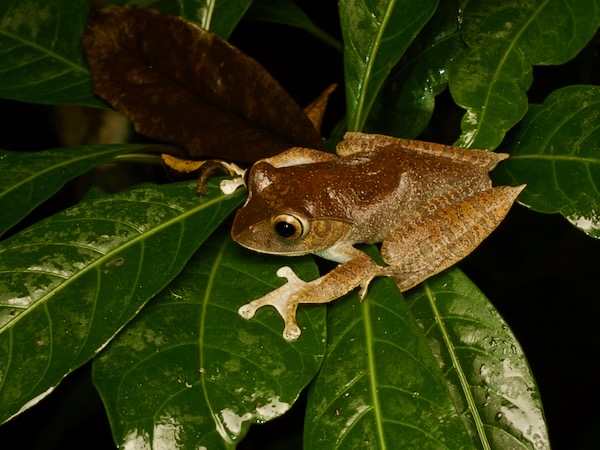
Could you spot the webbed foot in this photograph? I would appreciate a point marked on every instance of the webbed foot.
(284, 300)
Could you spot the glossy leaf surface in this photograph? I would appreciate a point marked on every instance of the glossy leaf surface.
(442, 370)
(556, 151)
(190, 373)
(505, 38)
(484, 365)
(193, 89)
(30, 178)
(405, 104)
(380, 385)
(70, 283)
(376, 33)
(40, 55)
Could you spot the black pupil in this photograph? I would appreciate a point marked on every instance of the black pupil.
(285, 229)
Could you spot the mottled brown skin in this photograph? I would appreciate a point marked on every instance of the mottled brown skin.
(429, 205)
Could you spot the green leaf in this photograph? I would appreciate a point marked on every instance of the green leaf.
(405, 104)
(441, 370)
(40, 56)
(227, 14)
(220, 17)
(190, 369)
(287, 12)
(69, 283)
(376, 34)
(380, 385)
(30, 178)
(556, 151)
(484, 365)
(504, 38)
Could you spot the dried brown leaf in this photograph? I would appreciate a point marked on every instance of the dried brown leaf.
(179, 83)
(182, 166)
(316, 109)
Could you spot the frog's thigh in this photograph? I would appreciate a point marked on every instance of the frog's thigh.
(433, 241)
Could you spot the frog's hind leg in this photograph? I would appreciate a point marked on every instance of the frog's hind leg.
(434, 239)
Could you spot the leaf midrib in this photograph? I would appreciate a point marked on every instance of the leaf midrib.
(142, 237)
(66, 162)
(358, 121)
(205, 301)
(554, 157)
(372, 372)
(501, 65)
(46, 51)
(464, 383)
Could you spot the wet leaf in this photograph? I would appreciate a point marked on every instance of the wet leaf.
(40, 56)
(405, 103)
(69, 283)
(189, 371)
(441, 370)
(30, 178)
(376, 34)
(484, 366)
(556, 151)
(193, 89)
(504, 39)
(380, 385)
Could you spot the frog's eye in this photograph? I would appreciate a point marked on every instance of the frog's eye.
(290, 227)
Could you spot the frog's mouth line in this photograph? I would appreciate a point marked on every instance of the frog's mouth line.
(273, 252)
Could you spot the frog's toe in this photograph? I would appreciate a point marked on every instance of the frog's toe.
(294, 283)
(364, 286)
(247, 311)
(291, 331)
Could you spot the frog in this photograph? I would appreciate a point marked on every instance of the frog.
(426, 205)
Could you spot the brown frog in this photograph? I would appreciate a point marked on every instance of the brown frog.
(429, 205)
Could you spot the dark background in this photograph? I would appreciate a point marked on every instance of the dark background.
(539, 271)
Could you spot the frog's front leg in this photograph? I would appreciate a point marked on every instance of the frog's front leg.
(341, 280)
(282, 299)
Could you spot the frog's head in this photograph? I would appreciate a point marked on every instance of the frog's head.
(279, 215)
